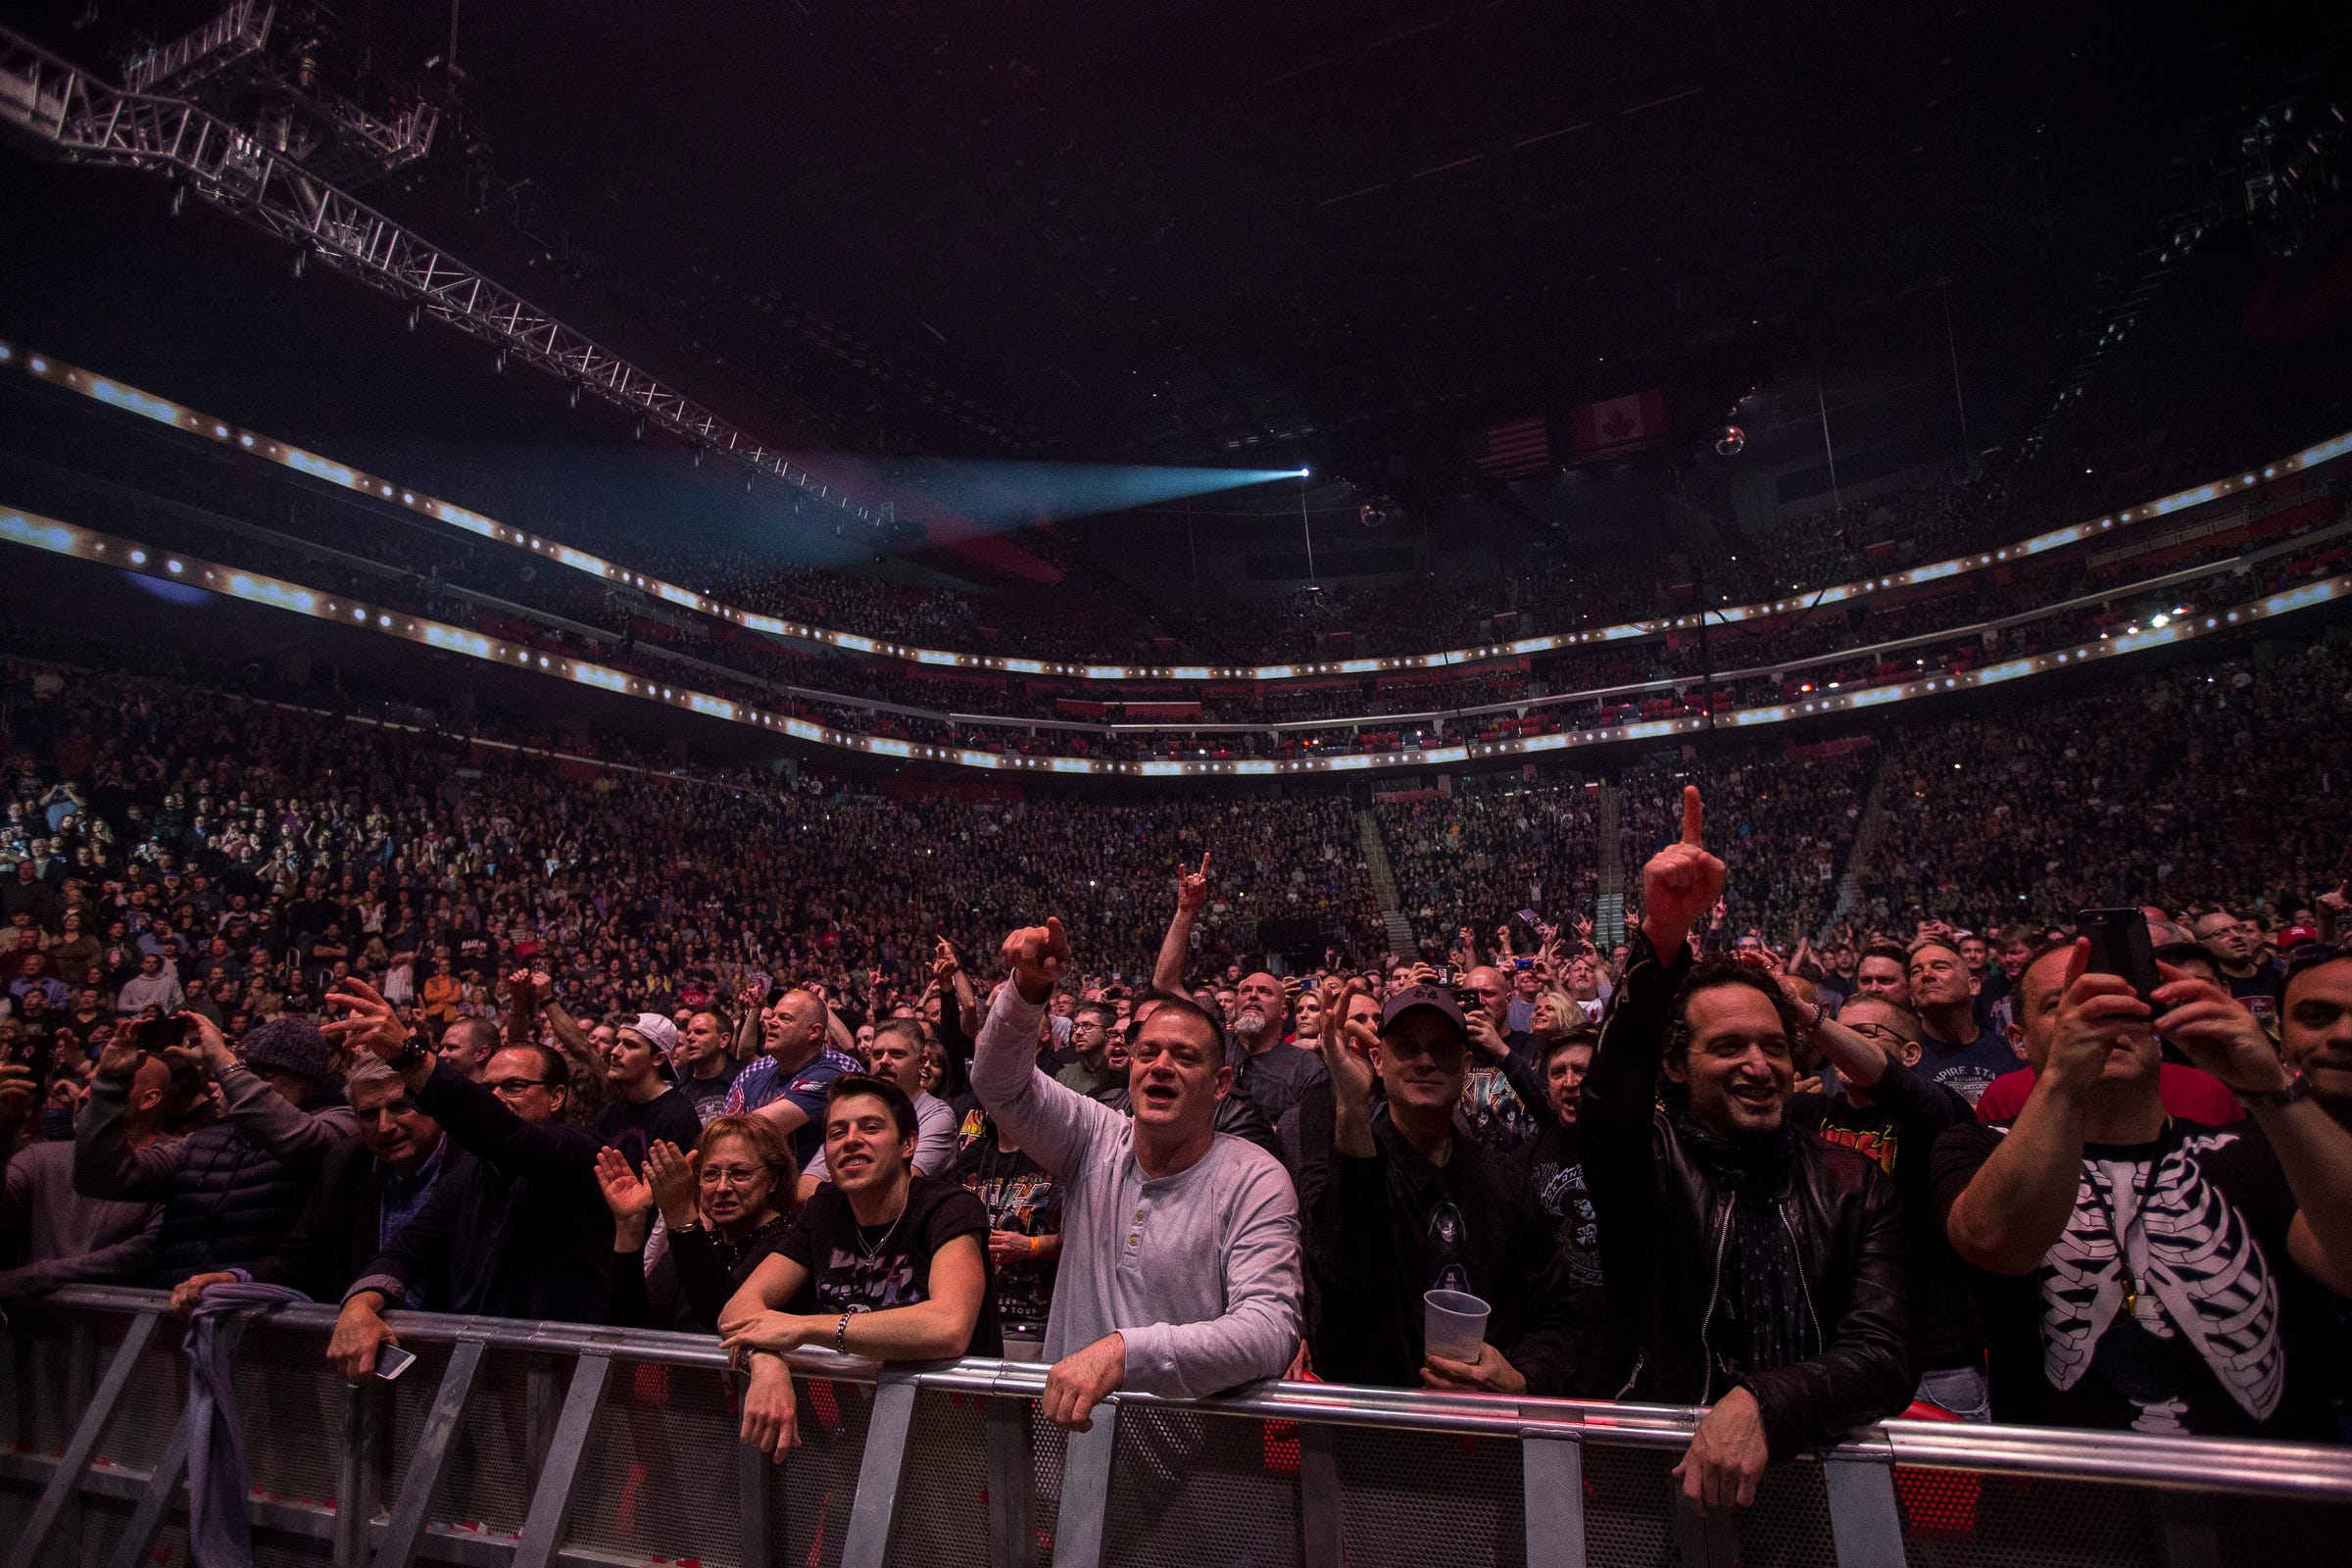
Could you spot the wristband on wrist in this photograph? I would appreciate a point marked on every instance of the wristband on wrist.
(840, 1335)
(2297, 1087)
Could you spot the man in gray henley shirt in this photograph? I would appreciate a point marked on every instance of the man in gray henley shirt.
(1180, 1271)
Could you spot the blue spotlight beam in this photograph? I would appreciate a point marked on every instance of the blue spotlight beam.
(178, 568)
(116, 394)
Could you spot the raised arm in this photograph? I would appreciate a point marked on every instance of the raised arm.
(1176, 947)
(1056, 1125)
(105, 1163)
(2314, 1149)
(2017, 1204)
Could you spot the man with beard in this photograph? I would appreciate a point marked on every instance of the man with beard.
(1747, 1268)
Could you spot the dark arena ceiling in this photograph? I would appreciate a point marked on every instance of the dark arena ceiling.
(1214, 231)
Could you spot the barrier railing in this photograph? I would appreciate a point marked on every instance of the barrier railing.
(536, 1443)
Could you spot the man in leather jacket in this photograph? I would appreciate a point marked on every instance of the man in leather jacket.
(1746, 1267)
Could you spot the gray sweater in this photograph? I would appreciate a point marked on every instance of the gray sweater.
(1199, 1272)
(69, 1238)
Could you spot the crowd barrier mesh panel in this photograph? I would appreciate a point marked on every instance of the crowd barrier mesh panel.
(1412, 1499)
(486, 1486)
(274, 1549)
(2276, 1533)
(1962, 1520)
(1193, 1491)
(1629, 1506)
(1789, 1525)
(151, 1406)
(659, 1479)
(943, 1500)
(40, 1417)
(812, 1513)
(292, 1408)
(1047, 1445)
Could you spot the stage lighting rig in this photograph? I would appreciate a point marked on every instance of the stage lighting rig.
(289, 75)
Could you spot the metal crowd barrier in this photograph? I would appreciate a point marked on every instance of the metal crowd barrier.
(537, 1444)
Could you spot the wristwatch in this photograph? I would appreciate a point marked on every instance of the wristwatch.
(2297, 1087)
(411, 1053)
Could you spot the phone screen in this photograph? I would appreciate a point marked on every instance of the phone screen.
(391, 1361)
(162, 1034)
(2120, 945)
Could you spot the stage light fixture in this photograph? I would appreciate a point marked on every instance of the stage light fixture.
(1731, 442)
(302, 261)
(179, 198)
(416, 317)
(574, 399)
(499, 363)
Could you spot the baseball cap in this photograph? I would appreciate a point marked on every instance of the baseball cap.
(1411, 996)
(658, 1032)
(2295, 936)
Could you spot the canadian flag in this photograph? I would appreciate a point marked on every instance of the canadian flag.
(1618, 425)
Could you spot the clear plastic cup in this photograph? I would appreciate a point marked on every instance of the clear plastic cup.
(1453, 1324)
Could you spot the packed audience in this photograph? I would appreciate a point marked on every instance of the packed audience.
(305, 1006)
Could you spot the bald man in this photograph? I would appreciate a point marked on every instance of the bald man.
(1265, 1073)
(787, 1087)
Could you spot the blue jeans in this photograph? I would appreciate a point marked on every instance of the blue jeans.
(1960, 1390)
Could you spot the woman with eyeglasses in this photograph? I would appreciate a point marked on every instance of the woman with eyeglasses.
(725, 1206)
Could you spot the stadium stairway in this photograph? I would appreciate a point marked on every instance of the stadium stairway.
(1869, 830)
(1608, 913)
(1384, 883)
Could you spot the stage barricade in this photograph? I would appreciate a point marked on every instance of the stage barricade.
(533, 1443)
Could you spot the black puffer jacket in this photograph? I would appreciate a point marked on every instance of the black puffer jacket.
(1664, 1230)
(232, 1189)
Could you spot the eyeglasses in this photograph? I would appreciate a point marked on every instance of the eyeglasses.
(517, 1086)
(1881, 1032)
(732, 1175)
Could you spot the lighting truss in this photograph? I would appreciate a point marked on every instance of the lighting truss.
(51, 536)
(64, 111)
(71, 377)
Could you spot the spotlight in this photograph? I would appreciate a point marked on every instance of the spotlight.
(1730, 441)
(1305, 472)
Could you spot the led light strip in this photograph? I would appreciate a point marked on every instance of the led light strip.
(83, 544)
(115, 394)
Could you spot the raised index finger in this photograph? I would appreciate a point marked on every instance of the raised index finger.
(1693, 815)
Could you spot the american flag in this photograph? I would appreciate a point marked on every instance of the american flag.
(1515, 449)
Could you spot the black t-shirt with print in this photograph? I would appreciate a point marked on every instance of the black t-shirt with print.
(857, 1268)
(709, 1096)
(2219, 1340)
(1898, 1131)
(1021, 1195)
(634, 1128)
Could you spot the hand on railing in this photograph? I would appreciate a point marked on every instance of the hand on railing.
(770, 1422)
(1726, 1455)
(1082, 1380)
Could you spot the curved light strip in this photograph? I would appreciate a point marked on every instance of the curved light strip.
(65, 539)
(116, 394)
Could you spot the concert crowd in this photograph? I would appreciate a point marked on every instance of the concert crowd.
(2040, 1112)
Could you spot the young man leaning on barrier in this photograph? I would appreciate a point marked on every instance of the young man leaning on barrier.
(880, 1261)
(1180, 1269)
(1746, 1267)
